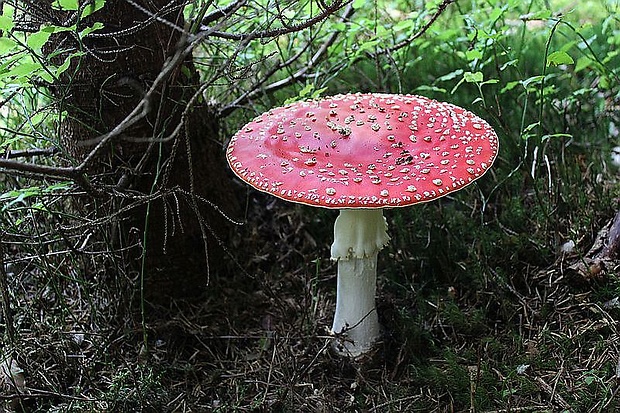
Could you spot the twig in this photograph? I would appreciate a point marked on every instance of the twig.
(328, 11)
(50, 171)
(440, 9)
(318, 56)
(5, 297)
(34, 393)
(520, 409)
(222, 13)
(553, 395)
(380, 407)
(11, 95)
(26, 153)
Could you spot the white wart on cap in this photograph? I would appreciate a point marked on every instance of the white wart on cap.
(363, 150)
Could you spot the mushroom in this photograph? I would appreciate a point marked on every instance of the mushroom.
(361, 153)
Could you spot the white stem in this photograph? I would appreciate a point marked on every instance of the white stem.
(356, 324)
(359, 235)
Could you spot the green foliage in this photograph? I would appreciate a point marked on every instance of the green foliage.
(32, 119)
(26, 63)
(28, 196)
(307, 92)
(559, 58)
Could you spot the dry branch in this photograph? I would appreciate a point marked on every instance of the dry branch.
(28, 153)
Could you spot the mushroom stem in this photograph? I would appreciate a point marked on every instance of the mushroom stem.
(359, 235)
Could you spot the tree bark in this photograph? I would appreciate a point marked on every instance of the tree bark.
(176, 173)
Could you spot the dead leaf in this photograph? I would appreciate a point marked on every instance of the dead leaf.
(11, 375)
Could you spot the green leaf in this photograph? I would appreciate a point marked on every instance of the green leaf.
(37, 40)
(339, 26)
(510, 86)
(538, 15)
(6, 44)
(368, 45)
(307, 90)
(65, 65)
(527, 132)
(21, 195)
(91, 29)
(604, 82)
(475, 77)
(450, 76)
(186, 71)
(57, 29)
(46, 76)
(6, 23)
(5, 142)
(9, 62)
(532, 80)
(404, 25)
(473, 54)
(427, 88)
(18, 196)
(93, 7)
(39, 117)
(556, 135)
(496, 13)
(66, 4)
(583, 62)
(559, 58)
(510, 63)
(24, 69)
(318, 92)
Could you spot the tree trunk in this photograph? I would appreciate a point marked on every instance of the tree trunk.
(121, 63)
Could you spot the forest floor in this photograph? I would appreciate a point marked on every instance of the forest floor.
(543, 339)
(501, 298)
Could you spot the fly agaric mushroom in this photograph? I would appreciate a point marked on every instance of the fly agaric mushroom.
(361, 153)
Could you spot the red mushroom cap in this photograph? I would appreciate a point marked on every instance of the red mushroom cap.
(363, 150)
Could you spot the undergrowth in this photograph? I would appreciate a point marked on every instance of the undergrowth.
(478, 310)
